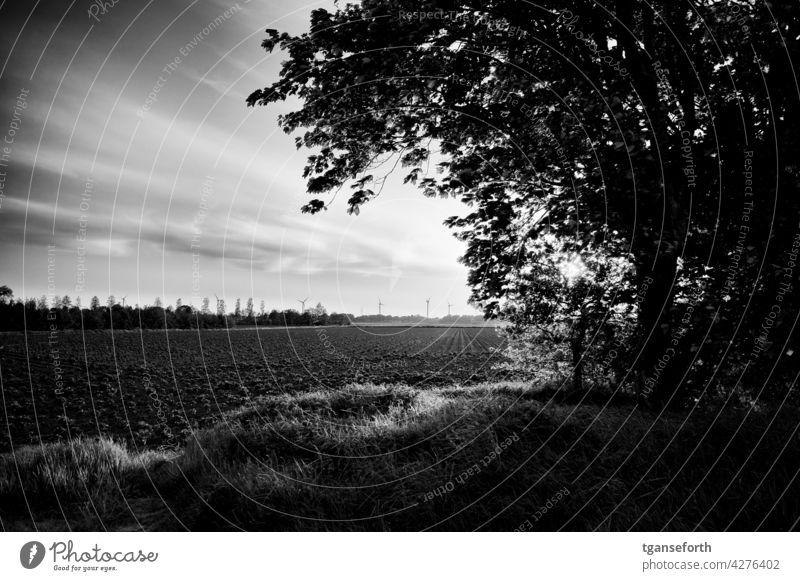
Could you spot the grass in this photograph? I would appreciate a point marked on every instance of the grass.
(490, 457)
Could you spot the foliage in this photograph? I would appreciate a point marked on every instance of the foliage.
(33, 315)
(564, 295)
(632, 117)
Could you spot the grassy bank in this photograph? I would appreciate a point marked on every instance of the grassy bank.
(494, 457)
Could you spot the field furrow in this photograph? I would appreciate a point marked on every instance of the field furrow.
(153, 388)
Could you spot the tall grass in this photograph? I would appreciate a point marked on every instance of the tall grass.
(84, 483)
(490, 457)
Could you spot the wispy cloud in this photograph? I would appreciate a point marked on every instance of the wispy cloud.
(148, 165)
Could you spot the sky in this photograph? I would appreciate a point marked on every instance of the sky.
(131, 166)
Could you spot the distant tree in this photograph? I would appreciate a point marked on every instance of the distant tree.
(41, 303)
(6, 294)
(120, 317)
(318, 315)
(292, 318)
(78, 302)
(178, 303)
(262, 308)
(221, 307)
(250, 310)
(112, 300)
(152, 317)
(184, 317)
(95, 303)
(237, 310)
(66, 302)
(340, 319)
(157, 303)
(204, 309)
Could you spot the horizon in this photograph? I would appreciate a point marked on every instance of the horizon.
(55, 299)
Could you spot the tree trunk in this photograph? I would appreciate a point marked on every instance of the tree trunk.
(654, 368)
(662, 213)
(577, 338)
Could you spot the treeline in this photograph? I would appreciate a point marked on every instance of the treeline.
(420, 320)
(40, 314)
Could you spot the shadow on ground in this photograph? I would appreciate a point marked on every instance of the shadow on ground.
(488, 457)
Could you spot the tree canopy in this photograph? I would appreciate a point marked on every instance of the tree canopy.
(662, 131)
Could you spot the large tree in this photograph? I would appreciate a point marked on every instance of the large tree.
(664, 127)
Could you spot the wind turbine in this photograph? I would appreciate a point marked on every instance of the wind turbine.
(380, 304)
(303, 304)
(427, 308)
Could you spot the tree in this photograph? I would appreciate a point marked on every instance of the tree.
(156, 303)
(120, 317)
(262, 308)
(275, 318)
(205, 308)
(95, 303)
(568, 296)
(319, 315)
(237, 309)
(111, 301)
(6, 295)
(152, 317)
(250, 310)
(66, 302)
(340, 319)
(184, 317)
(178, 303)
(634, 118)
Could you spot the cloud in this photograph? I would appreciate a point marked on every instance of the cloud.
(149, 173)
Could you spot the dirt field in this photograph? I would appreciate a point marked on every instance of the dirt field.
(151, 388)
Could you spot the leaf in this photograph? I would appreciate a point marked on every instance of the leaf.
(313, 207)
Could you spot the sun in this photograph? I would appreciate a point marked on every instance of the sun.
(572, 268)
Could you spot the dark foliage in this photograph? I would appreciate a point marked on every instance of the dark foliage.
(30, 315)
(665, 128)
